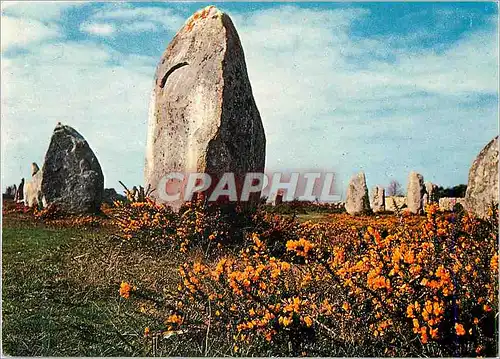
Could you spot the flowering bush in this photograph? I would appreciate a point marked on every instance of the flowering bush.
(10, 207)
(194, 224)
(365, 287)
(53, 216)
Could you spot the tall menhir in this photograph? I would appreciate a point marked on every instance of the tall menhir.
(203, 116)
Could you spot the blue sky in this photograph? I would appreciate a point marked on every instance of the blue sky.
(385, 88)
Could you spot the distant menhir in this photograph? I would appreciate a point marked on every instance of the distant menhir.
(71, 177)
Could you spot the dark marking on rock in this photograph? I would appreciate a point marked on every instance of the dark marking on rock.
(169, 72)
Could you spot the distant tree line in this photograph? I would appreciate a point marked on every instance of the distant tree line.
(455, 191)
(394, 189)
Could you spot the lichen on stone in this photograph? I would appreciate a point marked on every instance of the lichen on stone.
(208, 11)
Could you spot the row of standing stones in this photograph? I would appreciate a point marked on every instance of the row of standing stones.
(481, 194)
(419, 195)
(203, 118)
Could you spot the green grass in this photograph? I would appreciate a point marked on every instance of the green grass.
(60, 296)
(60, 292)
(52, 305)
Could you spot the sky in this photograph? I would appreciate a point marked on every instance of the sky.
(384, 88)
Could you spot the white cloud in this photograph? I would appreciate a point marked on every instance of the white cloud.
(24, 32)
(52, 10)
(85, 86)
(26, 23)
(346, 109)
(100, 29)
(129, 19)
(139, 26)
(468, 66)
(327, 100)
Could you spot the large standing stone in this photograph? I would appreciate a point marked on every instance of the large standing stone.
(447, 204)
(482, 188)
(34, 169)
(357, 201)
(425, 200)
(416, 191)
(394, 204)
(431, 188)
(19, 197)
(33, 188)
(378, 199)
(72, 178)
(203, 117)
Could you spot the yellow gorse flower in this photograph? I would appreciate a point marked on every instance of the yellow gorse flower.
(353, 276)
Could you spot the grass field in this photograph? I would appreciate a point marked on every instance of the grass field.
(60, 294)
(61, 281)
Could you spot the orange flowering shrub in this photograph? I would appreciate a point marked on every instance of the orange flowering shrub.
(398, 286)
(194, 224)
(54, 217)
(10, 207)
(81, 221)
(145, 219)
(48, 213)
